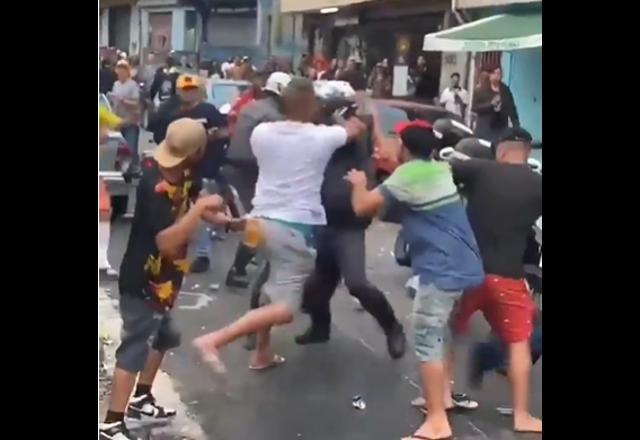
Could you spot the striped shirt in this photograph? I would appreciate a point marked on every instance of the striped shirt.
(441, 243)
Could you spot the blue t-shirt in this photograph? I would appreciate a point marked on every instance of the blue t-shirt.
(443, 249)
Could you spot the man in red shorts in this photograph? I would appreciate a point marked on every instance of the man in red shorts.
(504, 201)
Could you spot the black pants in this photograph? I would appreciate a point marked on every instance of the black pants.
(341, 254)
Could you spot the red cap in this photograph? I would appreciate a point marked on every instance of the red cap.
(403, 125)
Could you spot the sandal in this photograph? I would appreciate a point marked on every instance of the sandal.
(275, 361)
(422, 437)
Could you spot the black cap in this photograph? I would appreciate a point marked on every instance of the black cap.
(512, 134)
(515, 134)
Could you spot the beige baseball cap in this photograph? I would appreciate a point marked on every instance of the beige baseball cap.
(184, 138)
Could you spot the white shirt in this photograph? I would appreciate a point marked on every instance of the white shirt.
(292, 157)
(448, 98)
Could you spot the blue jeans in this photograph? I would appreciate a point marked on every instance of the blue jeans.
(204, 244)
(131, 134)
(492, 354)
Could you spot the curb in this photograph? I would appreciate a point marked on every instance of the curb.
(184, 427)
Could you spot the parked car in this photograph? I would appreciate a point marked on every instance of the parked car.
(222, 93)
(391, 111)
(114, 161)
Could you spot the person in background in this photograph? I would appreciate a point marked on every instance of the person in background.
(226, 67)
(164, 83)
(312, 73)
(494, 106)
(426, 80)
(303, 65)
(454, 98)
(286, 216)
(167, 214)
(242, 168)
(236, 71)
(193, 105)
(380, 82)
(108, 121)
(107, 76)
(354, 75)
(251, 94)
(126, 100)
(247, 69)
(443, 252)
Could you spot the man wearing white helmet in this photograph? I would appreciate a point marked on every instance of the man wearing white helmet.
(242, 169)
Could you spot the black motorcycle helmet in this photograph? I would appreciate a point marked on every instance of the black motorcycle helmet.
(475, 148)
(450, 132)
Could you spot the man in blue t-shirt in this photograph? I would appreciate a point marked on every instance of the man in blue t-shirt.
(444, 255)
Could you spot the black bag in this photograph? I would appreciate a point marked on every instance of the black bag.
(401, 251)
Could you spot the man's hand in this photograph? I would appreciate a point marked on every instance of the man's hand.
(357, 178)
(355, 127)
(209, 203)
(216, 217)
(215, 133)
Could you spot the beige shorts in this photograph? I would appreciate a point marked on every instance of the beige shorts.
(291, 255)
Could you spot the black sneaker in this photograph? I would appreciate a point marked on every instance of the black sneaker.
(144, 409)
(235, 279)
(116, 431)
(313, 335)
(396, 341)
(200, 265)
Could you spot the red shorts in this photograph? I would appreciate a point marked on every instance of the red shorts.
(506, 304)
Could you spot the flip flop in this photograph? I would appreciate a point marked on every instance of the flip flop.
(527, 432)
(422, 437)
(275, 361)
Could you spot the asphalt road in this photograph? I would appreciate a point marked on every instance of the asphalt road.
(310, 396)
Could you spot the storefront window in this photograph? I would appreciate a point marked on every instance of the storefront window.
(190, 31)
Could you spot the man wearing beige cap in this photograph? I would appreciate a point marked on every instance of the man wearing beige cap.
(168, 213)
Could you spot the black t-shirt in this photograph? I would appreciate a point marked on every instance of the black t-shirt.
(210, 117)
(504, 202)
(144, 272)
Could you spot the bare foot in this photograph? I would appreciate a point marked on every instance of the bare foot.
(527, 423)
(433, 429)
(209, 353)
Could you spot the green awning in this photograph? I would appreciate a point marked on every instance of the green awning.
(496, 33)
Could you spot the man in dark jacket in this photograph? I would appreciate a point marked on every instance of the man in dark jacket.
(241, 170)
(341, 254)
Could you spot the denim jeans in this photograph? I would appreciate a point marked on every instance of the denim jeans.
(131, 134)
(493, 355)
(204, 244)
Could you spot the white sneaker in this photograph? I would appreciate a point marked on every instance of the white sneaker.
(116, 431)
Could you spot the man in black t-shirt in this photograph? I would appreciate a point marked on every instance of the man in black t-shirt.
(189, 103)
(504, 201)
(168, 213)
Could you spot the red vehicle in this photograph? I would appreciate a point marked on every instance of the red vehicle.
(388, 112)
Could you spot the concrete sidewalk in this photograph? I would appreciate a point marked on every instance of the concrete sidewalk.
(184, 427)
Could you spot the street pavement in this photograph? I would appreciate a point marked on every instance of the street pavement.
(310, 396)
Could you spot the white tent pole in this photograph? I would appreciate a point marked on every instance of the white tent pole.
(471, 86)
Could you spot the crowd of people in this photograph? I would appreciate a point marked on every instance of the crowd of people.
(305, 176)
